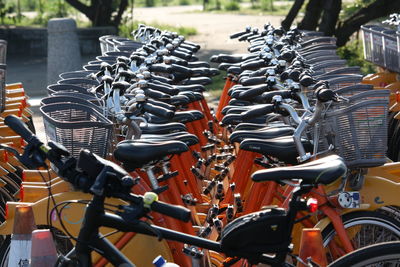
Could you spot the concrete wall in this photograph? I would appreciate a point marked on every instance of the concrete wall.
(33, 41)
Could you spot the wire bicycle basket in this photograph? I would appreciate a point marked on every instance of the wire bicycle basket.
(76, 127)
(359, 132)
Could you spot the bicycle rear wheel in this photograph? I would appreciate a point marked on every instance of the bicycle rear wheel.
(382, 254)
(364, 228)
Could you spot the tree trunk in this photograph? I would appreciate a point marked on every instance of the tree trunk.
(312, 16)
(294, 10)
(377, 9)
(330, 17)
(86, 10)
(122, 6)
(103, 11)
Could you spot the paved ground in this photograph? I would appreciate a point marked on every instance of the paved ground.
(213, 31)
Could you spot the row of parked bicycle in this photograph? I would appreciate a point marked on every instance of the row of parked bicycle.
(298, 140)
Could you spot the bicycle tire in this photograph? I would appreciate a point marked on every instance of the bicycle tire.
(395, 144)
(386, 227)
(374, 255)
(5, 250)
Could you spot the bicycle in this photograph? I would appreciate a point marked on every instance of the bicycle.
(109, 180)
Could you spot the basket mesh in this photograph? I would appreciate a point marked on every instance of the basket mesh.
(77, 126)
(3, 51)
(351, 90)
(367, 41)
(378, 56)
(84, 83)
(344, 80)
(359, 132)
(2, 87)
(390, 50)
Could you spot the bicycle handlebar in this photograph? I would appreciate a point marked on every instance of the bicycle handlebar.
(21, 129)
(256, 112)
(158, 110)
(81, 181)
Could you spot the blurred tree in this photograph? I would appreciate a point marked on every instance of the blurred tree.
(323, 15)
(101, 12)
(205, 3)
(287, 22)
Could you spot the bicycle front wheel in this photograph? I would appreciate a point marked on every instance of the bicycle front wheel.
(382, 254)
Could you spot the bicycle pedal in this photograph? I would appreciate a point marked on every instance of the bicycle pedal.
(207, 147)
(220, 191)
(260, 162)
(232, 186)
(229, 161)
(230, 213)
(205, 232)
(210, 125)
(207, 133)
(189, 200)
(219, 167)
(160, 189)
(192, 251)
(210, 159)
(199, 163)
(218, 225)
(197, 173)
(238, 202)
(223, 156)
(212, 214)
(196, 155)
(167, 176)
(209, 187)
(226, 148)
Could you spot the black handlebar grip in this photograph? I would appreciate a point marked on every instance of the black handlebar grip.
(155, 94)
(160, 68)
(177, 212)
(253, 65)
(257, 112)
(267, 96)
(167, 89)
(191, 87)
(181, 69)
(198, 64)
(192, 44)
(254, 80)
(252, 92)
(158, 111)
(196, 72)
(325, 95)
(21, 129)
(161, 104)
(238, 34)
(197, 80)
(306, 80)
(182, 55)
(179, 100)
(179, 61)
(245, 36)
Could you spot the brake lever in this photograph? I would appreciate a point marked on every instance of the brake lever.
(31, 158)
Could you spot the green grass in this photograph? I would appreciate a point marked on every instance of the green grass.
(125, 29)
(280, 10)
(353, 53)
(217, 85)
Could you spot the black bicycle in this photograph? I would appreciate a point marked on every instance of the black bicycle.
(260, 237)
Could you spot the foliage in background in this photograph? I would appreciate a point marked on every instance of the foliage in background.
(267, 5)
(353, 53)
(127, 27)
(352, 7)
(231, 5)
